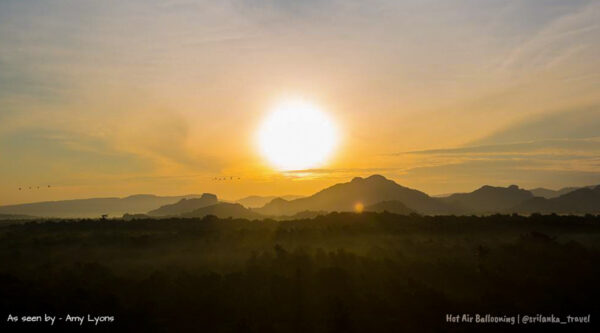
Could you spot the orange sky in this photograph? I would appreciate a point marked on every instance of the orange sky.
(114, 98)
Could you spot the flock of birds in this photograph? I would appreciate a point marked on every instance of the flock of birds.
(230, 178)
(32, 187)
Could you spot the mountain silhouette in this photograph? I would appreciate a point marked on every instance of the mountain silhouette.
(93, 207)
(549, 194)
(256, 201)
(185, 205)
(585, 200)
(375, 193)
(395, 207)
(224, 210)
(489, 199)
(368, 191)
(11, 217)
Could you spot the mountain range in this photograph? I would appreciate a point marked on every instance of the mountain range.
(366, 191)
(225, 210)
(185, 205)
(488, 199)
(94, 207)
(256, 201)
(375, 193)
(585, 200)
(549, 194)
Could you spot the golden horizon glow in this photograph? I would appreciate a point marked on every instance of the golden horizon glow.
(297, 135)
(359, 207)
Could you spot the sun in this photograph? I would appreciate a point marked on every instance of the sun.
(297, 135)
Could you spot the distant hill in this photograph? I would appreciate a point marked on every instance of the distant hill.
(582, 201)
(395, 207)
(368, 191)
(489, 199)
(224, 210)
(130, 217)
(93, 207)
(10, 217)
(255, 201)
(549, 194)
(185, 205)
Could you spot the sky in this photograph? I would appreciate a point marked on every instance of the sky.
(112, 98)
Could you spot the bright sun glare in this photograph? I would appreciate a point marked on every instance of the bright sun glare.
(297, 135)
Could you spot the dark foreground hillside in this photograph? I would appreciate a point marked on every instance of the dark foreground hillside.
(336, 273)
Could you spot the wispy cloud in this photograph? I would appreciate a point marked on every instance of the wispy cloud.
(338, 173)
(560, 147)
(578, 123)
(554, 43)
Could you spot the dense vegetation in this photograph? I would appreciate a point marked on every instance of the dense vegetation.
(340, 272)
